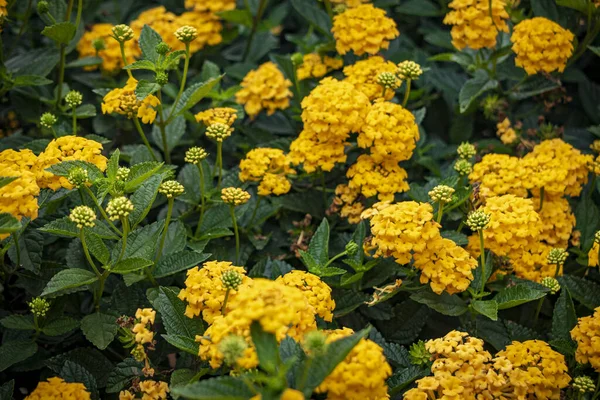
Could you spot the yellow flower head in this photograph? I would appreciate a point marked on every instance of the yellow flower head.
(57, 389)
(317, 152)
(557, 167)
(472, 24)
(541, 45)
(445, 266)
(316, 66)
(363, 76)
(152, 390)
(390, 132)
(347, 202)
(506, 132)
(317, 292)
(218, 115)
(383, 179)
(280, 310)
(67, 148)
(402, 228)
(204, 291)
(19, 198)
(349, 3)
(276, 184)
(499, 174)
(124, 101)
(213, 6)
(587, 336)
(363, 29)
(269, 167)
(361, 376)
(112, 61)
(266, 89)
(557, 221)
(593, 255)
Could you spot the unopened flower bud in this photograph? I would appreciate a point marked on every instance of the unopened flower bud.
(98, 44)
(388, 80)
(557, 256)
(478, 220)
(74, 98)
(39, 307)
(48, 120)
(351, 248)
(315, 343)
(231, 279)
(83, 216)
(195, 155)
(171, 189)
(162, 78)
(551, 283)
(219, 131)
(463, 167)
(466, 150)
(186, 34)
(162, 48)
(78, 177)
(297, 59)
(119, 207)
(232, 347)
(409, 70)
(441, 193)
(234, 196)
(123, 173)
(418, 353)
(584, 384)
(122, 33)
(43, 7)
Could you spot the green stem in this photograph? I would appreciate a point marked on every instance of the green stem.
(224, 308)
(186, 66)
(136, 122)
(61, 77)
(125, 223)
(87, 253)
(101, 282)
(163, 132)
(542, 195)
(256, 20)
(54, 133)
(304, 378)
(324, 189)
(592, 186)
(440, 212)
(219, 163)
(254, 212)
(329, 8)
(383, 93)
(237, 234)
(171, 201)
(537, 311)
(202, 200)
(337, 256)
(124, 57)
(99, 207)
(407, 93)
(483, 272)
(17, 248)
(557, 270)
(74, 122)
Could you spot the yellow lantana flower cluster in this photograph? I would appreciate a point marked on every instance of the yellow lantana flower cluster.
(57, 389)
(149, 389)
(541, 45)
(19, 197)
(474, 24)
(363, 76)
(67, 148)
(363, 29)
(125, 102)
(316, 66)
(269, 167)
(280, 310)
(213, 6)
(384, 178)
(349, 3)
(361, 376)
(315, 290)
(506, 132)
(112, 60)
(204, 291)
(266, 89)
(557, 221)
(499, 174)
(144, 317)
(217, 115)
(347, 203)
(587, 336)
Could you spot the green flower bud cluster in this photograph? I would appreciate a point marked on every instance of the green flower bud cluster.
(441, 193)
(186, 34)
(219, 131)
(231, 279)
(557, 256)
(123, 173)
(83, 216)
(78, 177)
(119, 207)
(463, 167)
(584, 384)
(315, 343)
(551, 284)
(388, 80)
(48, 120)
(409, 70)
(419, 354)
(74, 98)
(466, 151)
(477, 220)
(171, 189)
(122, 33)
(232, 347)
(195, 155)
(39, 307)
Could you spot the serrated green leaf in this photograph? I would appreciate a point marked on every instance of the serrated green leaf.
(404, 377)
(96, 246)
(7, 390)
(100, 329)
(194, 94)
(145, 88)
(84, 62)
(113, 165)
(473, 88)
(60, 326)
(319, 244)
(31, 80)
(141, 64)
(61, 33)
(488, 308)
(172, 310)
(183, 343)
(130, 265)
(582, 6)
(221, 388)
(143, 198)
(588, 221)
(15, 351)
(266, 348)
(90, 358)
(238, 17)
(8, 223)
(141, 243)
(123, 374)
(174, 132)
(564, 317)
(423, 8)
(64, 168)
(69, 281)
(74, 373)
(19, 322)
(584, 291)
(314, 15)
(61, 227)
(31, 245)
(444, 303)
(139, 173)
(149, 38)
(177, 262)
(516, 295)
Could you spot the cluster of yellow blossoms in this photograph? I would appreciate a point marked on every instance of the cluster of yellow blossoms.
(406, 230)
(316, 66)
(362, 374)
(145, 317)
(474, 24)
(149, 389)
(506, 132)
(347, 203)
(363, 76)
(125, 102)
(316, 292)
(264, 89)
(98, 41)
(204, 291)
(587, 336)
(57, 389)
(217, 115)
(268, 166)
(463, 369)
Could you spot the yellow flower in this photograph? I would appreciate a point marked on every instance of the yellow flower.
(204, 291)
(214, 6)
(363, 76)
(124, 101)
(593, 255)
(112, 60)
(390, 132)
(145, 315)
(218, 115)
(383, 179)
(274, 184)
(315, 290)
(269, 167)
(316, 66)
(142, 333)
(445, 266)
(316, 152)
(153, 390)
(557, 219)
(346, 201)
(19, 197)
(280, 310)
(67, 148)
(587, 336)
(532, 262)
(288, 394)
(499, 174)
(505, 132)
(349, 3)
(361, 376)
(541, 45)
(472, 24)
(400, 229)
(266, 89)
(57, 389)
(363, 29)
(557, 167)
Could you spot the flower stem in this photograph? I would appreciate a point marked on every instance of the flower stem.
(440, 212)
(483, 272)
(163, 132)
(254, 212)
(171, 201)
(337, 256)
(219, 163)
(99, 207)
(224, 307)
(329, 8)
(125, 63)
(136, 122)
(407, 93)
(74, 122)
(186, 66)
(125, 223)
(237, 234)
(87, 253)
(262, 5)
(63, 53)
(537, 311)
(202, 200)
(17, 248)
(557, 270)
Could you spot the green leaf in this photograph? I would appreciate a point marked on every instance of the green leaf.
(60, 326)
(145, 88)
(149, 38)
(65, 227)
(19, 322)
(143, 198)
(15, 351)
(584, 291)
(5, 180)
(461, 129)
(86, 111)
(444, 304)
(423, 8)
(322, 365)
(587, 216)
(404, 377)
(7, 389)
(100, 329)
(489, 269)
(141, 243)
(177, 262)
(8, 223)
(516, 295)
(31, 245)
(579, 5)
(473, 88)
(183, 343)
(139, 173)
(130, 265)
(89, 357)
(221, 388)
(65, 167)
(113, 166)
(319, 244)
(489, 308)
(595, 50)
(69, 281)
(74, 373)
(238, 17)
(96, 246)
(314, 15)
(174, 132)
(61, 33)
(194, 94)
(31, 80)
(564, 317)
(141, 64)
(172, 310)
(266, 348)
(123, 374)
(84, 62)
